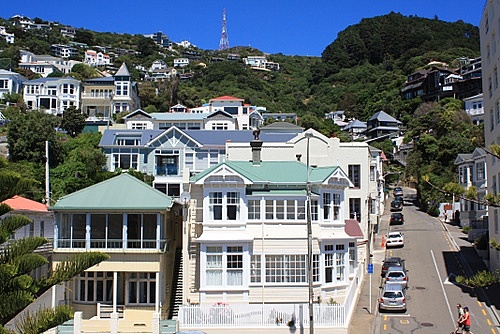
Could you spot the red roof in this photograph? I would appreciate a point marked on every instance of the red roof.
(352, 228)
(226, 98)
(382, 155)
(20, 203)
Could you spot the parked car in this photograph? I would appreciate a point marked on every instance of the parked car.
(397, 205)
(397, 218)
(395, 239)
(393, 261)
(398, 191)
(396, 275)
(393, 297)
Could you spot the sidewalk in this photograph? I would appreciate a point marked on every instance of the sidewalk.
(364, 321)
(473, 263)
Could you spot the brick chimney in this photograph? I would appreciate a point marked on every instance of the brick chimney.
(256, 145)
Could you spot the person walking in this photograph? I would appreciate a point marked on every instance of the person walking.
(460, 319)
(466, 321)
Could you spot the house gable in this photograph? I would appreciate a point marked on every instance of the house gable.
(173, 137)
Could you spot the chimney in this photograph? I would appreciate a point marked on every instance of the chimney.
(256, 148)
(256, 145)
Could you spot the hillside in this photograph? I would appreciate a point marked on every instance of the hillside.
(361, 72)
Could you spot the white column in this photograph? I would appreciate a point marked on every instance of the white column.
(115, 290)
(114, 323)
(77, 324)
(155, 326)
(157, 292)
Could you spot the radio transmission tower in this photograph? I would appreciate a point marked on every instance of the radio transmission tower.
(224, 41)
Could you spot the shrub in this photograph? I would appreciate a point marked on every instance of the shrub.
(466, 229)
(480, 279)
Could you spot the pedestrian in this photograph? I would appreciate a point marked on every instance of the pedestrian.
(460, 323)
(466, 321)
(445, 217)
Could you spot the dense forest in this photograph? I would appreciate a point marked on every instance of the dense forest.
(361, 72)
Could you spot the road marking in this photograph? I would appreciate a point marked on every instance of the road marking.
(406, 315)
(442, 288)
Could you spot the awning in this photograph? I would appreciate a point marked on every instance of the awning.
(352, 228)
(223, 236)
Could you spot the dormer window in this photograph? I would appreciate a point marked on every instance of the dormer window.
(222, 205)
(128, 141)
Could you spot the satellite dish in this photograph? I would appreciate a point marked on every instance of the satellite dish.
(185, 197)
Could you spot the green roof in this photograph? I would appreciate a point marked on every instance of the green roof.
(276, 172)
(122, 192)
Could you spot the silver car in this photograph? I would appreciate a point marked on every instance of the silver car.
(393, 297)
(396, 275)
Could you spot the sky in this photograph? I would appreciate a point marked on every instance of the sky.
(290, 27)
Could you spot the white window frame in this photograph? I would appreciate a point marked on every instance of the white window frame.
(335, 257)
(224, 266)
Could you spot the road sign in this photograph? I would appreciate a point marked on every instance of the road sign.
(370, 268)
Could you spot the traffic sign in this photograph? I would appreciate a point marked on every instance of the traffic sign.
(370, 268)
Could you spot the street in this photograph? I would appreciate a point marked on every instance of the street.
(433, 259)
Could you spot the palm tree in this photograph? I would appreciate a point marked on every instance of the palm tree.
(18, 288)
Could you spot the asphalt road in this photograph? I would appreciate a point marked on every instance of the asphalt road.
(432, 261)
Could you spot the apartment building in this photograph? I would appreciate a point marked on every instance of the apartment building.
(490, 39)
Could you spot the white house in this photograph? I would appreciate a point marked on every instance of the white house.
(10, 82)
(181, 62)
(9, 38)
(246, 242)
(53, 95)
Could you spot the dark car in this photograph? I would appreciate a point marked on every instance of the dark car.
(392, 262)
(397, 205)
(397, 218)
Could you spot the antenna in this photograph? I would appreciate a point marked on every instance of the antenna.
(224, 41)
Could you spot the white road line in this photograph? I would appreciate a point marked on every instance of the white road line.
(442, 288)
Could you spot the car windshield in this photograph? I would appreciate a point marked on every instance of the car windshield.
(393, 294)
(395, 275)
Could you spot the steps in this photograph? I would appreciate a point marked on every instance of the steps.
(176, 296)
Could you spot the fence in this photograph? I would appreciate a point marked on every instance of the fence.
(262, 315)
(270, 315)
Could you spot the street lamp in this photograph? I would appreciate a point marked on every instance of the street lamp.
(308, 135)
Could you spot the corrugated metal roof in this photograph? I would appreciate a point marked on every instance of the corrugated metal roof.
(275, 172)
(122, 192)
(20, 203)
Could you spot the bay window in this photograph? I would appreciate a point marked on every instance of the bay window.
(224, 266)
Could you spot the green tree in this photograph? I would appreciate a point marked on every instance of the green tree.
(73, 121)
(27, 134)
(84, 165)
(13, 181)
(18, 259)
